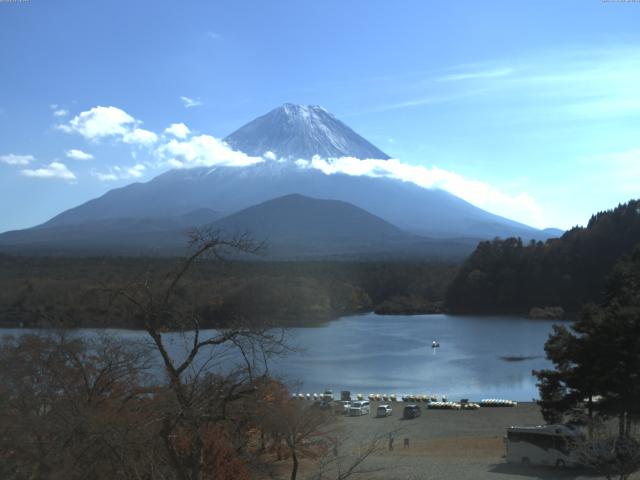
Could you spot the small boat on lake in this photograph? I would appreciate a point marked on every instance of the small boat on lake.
(434, 344)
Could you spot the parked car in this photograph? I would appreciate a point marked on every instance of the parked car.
(411, 411)
(384, 411)
(360, 407)
(342, 407)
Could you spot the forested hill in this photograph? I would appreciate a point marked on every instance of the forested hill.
(505, 276)
(72, 292)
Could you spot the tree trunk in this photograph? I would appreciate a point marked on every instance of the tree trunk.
(294, 470)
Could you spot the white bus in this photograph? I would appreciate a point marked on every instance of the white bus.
(543, 445)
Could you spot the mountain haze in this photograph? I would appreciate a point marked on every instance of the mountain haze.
(291, 227)
(119, 235)
(429, 212)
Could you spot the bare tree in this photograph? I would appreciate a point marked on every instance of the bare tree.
(303, 428)
(202, 399)
(73, 408)
(348, 461)
(312, 431)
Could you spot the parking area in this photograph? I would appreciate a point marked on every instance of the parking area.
(447, 444)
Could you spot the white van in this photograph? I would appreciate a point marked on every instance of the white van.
(384, 411)
(360, 407)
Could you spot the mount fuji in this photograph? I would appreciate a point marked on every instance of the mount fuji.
(300, 132)
(154, 216)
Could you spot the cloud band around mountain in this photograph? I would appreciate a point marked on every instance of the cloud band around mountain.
(179, 147)
(521, 207)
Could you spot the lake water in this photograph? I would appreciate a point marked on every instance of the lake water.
(392, 354)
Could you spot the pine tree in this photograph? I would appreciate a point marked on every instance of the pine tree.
(599, 356)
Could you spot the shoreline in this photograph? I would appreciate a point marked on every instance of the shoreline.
(305, 322)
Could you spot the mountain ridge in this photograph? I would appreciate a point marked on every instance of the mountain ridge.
(295, 214)
(291, 227)
(430, 212)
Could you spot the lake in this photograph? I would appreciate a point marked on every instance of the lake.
(392, 354)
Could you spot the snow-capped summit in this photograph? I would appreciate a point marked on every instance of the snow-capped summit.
(301, 131)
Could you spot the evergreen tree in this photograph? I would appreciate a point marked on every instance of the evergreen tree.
(599, 357)
(505, 276)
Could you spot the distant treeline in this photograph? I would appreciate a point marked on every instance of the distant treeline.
(501, 276)
(506, 276)
(74, 291)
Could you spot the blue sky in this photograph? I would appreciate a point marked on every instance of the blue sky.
(528, 109)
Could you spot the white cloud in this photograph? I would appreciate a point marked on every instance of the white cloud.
(494, 73)
(178, 130)
(76, 154)
(521, 207)
(136, 171)
(53, 170)
(213, 35)
(105, 177)
(416, 102)
(13, 159)
(140, 136)
(100, 122)
(269, 155)
(564, 82)
(200, 151)
(58, 111)
(190, 102)
(120, 173)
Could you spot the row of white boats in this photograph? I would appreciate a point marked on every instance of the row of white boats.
(497, 402)
(432, 401)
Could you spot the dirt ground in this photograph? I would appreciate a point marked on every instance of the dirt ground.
(447, 444)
